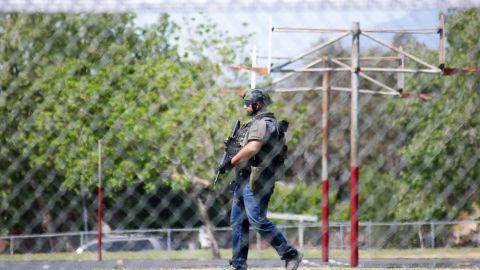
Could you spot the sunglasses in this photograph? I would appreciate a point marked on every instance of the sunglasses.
(248, 103)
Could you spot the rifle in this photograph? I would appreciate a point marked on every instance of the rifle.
(231, 148)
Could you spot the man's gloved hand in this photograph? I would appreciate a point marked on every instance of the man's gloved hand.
(226, 166)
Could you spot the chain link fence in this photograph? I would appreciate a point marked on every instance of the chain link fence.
(373, 236)
(155, 89)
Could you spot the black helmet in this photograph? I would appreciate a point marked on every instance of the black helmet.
(254, 95)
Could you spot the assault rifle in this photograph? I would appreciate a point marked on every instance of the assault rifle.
(231, 148)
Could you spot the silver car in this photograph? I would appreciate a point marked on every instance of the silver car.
(115, 244)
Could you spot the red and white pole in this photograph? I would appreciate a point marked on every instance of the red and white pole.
(354, 161)
(99, 217)
(325, 105)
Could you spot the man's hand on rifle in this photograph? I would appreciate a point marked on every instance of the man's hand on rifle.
(225, 166)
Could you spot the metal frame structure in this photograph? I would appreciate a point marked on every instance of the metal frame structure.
(357, 73)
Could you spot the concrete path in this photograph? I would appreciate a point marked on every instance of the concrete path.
(202, 264)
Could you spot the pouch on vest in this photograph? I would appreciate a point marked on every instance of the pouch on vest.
(257, 180)
(279, 159)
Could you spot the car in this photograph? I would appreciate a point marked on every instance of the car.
(115, 244)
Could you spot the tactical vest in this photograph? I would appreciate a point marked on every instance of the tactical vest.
(273, 153)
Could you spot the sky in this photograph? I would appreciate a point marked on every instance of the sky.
(225, 5)
(291, 44)
(230, 15)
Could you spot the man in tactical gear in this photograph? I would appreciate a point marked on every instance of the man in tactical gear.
(258, 164)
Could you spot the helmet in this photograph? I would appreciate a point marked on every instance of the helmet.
(254, 95)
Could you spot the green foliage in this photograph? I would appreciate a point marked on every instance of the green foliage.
(68, 81)
(442, 157)
(124, 85)
(298, 199)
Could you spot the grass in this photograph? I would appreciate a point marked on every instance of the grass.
(301, 267)
(460, 253)
(309, 268)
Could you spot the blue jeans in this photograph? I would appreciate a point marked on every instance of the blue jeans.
(251, 209)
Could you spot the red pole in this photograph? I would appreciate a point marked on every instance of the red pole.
(354, 160)
(325, 104)
(99, 217)
(325, 220)
(354, 216)
(99, 234)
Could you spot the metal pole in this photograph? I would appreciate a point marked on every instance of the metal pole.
(297, 70)
(270, 30)
(254, 64)
(335, 88)
(311, 30)
(369, 58)
(286, 76)
(441, 43)
(342, 238)
(366, 91)
(405, 31)
(169, 239)
(12, 244)
(363, 58)
(401, 75)
(85, 217)
(432, 234)
(300, 233)
(370, 69)
(325, 108)
(363, 75)
(416, 59)
(369, 235)
(311, 50)
(354, 162)
(404, 70)
(99, 219)
(258, 240)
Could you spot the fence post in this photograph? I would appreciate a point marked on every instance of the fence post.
(342, 246)
(369, 235)
(169, 239)
(12, 243)
(258, 240)
(300, 233)
(432, 233)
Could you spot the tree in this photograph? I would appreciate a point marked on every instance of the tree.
(442, 155)
(70, 80)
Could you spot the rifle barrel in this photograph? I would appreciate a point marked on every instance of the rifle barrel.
(216, 178)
